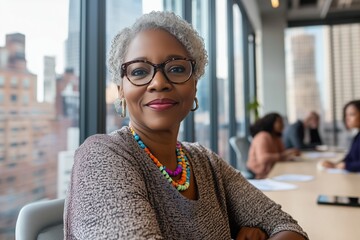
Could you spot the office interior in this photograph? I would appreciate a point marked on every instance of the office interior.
(285, 56)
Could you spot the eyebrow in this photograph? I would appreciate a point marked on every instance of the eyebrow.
(167, 58)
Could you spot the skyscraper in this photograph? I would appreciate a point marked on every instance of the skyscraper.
(49, 79)
(72, 45)
(303, 89)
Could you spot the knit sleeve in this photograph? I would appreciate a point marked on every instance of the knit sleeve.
(248, 206)
(107, 198)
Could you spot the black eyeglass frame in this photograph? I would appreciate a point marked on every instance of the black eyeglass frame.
(157, 67)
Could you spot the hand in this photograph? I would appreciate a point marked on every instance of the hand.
(290, 154)
(251, 233)
(340, 165)
(328, 164)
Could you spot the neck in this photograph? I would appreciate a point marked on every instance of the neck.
(162, 144)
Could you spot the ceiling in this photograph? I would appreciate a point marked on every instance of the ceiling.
(314, 10)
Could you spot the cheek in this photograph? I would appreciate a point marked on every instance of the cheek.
(132, 94)
(190, 96)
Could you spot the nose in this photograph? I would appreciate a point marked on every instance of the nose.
(159, 82)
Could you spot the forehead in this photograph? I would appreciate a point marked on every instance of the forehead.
(154, 45)
(352, 109)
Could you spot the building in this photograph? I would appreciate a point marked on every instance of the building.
(303, 89)
(27, 159)
(49, 79)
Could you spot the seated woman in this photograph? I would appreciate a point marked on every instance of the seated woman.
(267, 147)
(351, 116)
(140, 182)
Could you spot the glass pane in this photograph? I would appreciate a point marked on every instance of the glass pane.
(121, 14)
(202, 115)
(323, 75)
(238, 67)
(39, 102)
(345, 50)
(222, 79)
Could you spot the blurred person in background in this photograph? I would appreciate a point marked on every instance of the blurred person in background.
(267, 147)
(303, 134)
(351, 116)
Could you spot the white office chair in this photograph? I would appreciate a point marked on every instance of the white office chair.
(41, 220)
(241, 147)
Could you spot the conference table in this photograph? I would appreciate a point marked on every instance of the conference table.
(319, 221)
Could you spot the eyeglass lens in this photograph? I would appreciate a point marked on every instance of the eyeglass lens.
(176, 71)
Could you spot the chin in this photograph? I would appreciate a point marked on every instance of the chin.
(163, 125)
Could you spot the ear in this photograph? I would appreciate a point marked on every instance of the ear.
(120, 91)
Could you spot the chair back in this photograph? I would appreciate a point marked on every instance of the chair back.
(241, 147)
(41, 220)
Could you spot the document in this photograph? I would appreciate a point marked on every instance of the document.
(271, 185)
(336, 171)
(294, 178)
(317, 155)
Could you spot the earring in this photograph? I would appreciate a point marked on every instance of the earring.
(120, 107)
(196, 105)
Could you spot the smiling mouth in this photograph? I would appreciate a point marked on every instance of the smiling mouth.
(161, 104)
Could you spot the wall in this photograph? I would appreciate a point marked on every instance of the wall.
(253, 12)
(272, 83)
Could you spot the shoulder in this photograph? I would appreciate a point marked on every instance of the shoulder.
(196, 149)
(294, 125)
(100, 141)
(106, 149)
(115, 137)
(298, 124)
(202, 155)
(262, 136)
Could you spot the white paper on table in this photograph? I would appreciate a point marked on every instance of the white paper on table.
(294, 178)
(336, 171)
(271, 185)
(315, 155)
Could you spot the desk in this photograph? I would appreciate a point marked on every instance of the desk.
(319, 221)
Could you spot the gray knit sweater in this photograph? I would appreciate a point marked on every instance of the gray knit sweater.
(117, 192)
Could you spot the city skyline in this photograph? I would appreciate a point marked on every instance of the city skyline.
(42, 38)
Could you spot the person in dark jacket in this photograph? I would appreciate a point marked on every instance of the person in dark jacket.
(303, 134)
(351, 162)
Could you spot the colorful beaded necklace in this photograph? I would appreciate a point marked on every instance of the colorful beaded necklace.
(183, 165)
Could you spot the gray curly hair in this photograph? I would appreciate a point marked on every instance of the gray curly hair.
(167, 21)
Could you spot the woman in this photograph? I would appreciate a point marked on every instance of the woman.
(139, 182)
(351, 116)
(267, 147)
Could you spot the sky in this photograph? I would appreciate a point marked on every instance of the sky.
(44, 23)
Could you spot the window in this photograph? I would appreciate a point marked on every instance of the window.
(1, 97)
(44, 81)
(323, 75)
(25, 98)
(26, 83)
(222, 79)
(202, 115)
(14, 82)
(239, 71)
(2, 81)
(13, 98)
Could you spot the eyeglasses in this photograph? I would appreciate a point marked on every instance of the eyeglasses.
(142, 72)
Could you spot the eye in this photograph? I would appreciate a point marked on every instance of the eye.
(139, 72)
(177, 69)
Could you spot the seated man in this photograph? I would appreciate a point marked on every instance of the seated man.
(303, 134)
